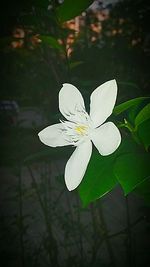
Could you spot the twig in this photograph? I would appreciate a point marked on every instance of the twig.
(108, 244)
(21, 218)
(129, 235)
(53, 253)
(124, 231)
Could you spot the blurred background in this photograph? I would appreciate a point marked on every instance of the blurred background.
(43, 46)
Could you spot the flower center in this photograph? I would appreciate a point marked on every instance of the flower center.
(75, 133)
(81, 129)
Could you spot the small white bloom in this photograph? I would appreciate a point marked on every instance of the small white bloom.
(81, 128)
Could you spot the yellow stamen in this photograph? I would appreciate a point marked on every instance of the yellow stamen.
(81, 129)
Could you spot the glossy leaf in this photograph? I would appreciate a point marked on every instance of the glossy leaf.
(131, 169)
(143, 115)
(134, 110)
(144, 133)
(128, 104)
(99, 178)
(69, 9)
(128, 145)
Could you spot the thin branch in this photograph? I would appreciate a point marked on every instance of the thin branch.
(53, 252)
(21, 226)
(129, 235)
(108, 244)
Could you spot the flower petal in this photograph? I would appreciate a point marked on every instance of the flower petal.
(106, 138)
(54, 136)
(71, 102)
(102, 103)
(77, 164)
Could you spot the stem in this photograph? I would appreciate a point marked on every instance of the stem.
(80, 236)
(59, 196)
(21, 219)
(67, 62)
(108, 243)
(53, 253)
(64, 44)
(131, 129)
(35, 263)
(51, 65)
(96, 229)
(129, 235)
(72, 222)
(124, 231)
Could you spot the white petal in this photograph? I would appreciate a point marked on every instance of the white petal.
(77, 164)
(102, 103)
(71, 102)
(54, 135)
(106, 138)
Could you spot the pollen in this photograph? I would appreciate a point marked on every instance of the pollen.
(81, 129)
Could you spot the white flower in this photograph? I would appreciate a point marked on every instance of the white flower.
(80, 128)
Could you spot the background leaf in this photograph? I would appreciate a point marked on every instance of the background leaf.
(68, 10)
(51, 41)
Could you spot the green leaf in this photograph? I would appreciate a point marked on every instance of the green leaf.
(144, 133)
(143, 115)
(134, 110)
(128, 145)
(128, 104)
(52, 42)
(131, 169)
(99, 178)
(68, 10)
